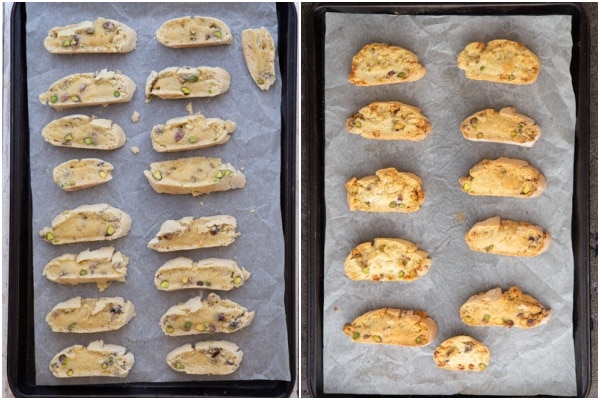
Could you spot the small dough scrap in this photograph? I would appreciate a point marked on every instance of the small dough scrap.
(75, 175)
(191, 132)
(84, 132)
(194, 32)
(259, 53)
(97, 360)
(215, 357)
(186, 82)
(462, 353)
(89, 315)
(214, 273)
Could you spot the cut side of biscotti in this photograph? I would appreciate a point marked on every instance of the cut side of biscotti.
(183, 82)
(508, 238)
(389, 120)
(89, 89)
(462, 353)
(213, 357)
(75, 175)
(87, 223)
(505, 177)
(382, 64)
(84, 132)
(190, 133)
(501, 61)
(387, 191)
(509, 309)
(101, 267)
(195, 31)
(210, 273)
(189, 233)
(89, 315)
(387, 259)
(97, 360)
(100, 36)
(504, 126)
(259, 53)
(194, 175)
(394, 327)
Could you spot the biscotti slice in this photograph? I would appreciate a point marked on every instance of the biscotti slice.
(101, 267)
(462, 353)
(87, 223)
(210, 273)
(212, 315)
(509, 309)
(88, 315)
(194, 175)
(97, 359)
(259, 53)
(100, 36)
(213, 357)
(508, 238)
(389, 120)
(387, 191)
(382, 64)
(189, 233)
(504, 126)
(182, 82)
(505, 177)
(84, 132)
(194, 32)
(387, 260)
(501, 61)
(191, 132)
(89, 89)
(393, 326)
(75, 175)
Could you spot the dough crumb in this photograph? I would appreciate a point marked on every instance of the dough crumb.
(135, 149)
(135, 117)
(189, 108)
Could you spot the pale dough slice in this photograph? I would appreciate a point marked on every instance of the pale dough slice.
(183, 82)
(75, 175)
(89, 315)
(214, 357)
(210, 273)
(97, 360)
(504, 126)
(462, 353)
(259, 53)
(195, 31)
(84, 132)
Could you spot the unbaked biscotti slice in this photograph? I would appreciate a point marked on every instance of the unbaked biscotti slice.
(213, 357)
(89, 315)
(387, 259)
(189, 233)
(75, 175)
(210, 273)
(508, 238)
(259, 53)
(504, 126)
(194, 175)
(382, 64)
(509, 309)
(87, 223)
(84, 132)
(195, 31)
(507, 177)
(89, 89)
(394, 327)
(183, 82)
(101, 267)
(387, 191)
(501, 61)
(462, 353)
(191, 132)
(97, 360)
(100, 36)
(389, 120)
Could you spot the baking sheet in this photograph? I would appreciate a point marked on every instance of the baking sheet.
(255, 146)
(524, 362)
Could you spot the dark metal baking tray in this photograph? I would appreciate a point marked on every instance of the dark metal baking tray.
(20, 333)
(580, 72)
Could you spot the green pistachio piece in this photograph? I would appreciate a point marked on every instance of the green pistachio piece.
(53, 98)
(511, 77)
(185, 90)
(376, 338)
(68, 137)
(83, 272)
(260, 81)
(479, 135)
(400, 274)
(191, 78)
(401, 75)
(110, 230)
(513, 134)
(474, 122)
(116, 93)
(75, 98)
(170, 329)
(356, 335)
(365, 270)
(187, 326)
(527, 188)
(102, 174)
(468, 319)
(486, 316)
(164, 284)
(70, 372)
(402, 205)
(489, 248)
(482, 366)
(49, 236)
(218, 34)
(66, 43)
(192, 139)
(237, 280)
(104, 366)
(393, 204)
(157, 175)
(419, 340)
(482, 68)
(467, 186)
(89, 141)
(357, 124)
(179, 365)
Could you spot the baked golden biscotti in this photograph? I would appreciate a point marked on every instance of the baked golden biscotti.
(259, 53)
(387, 259)
(84, 132)
(387, 191)
(100, 36)
(89, 315)
(389, 120)
(210, 273)
(504, 126)
(195, 31)
(182, 82)
(394, 327)
(501, 61)
(507, 238)
(507, 177)
(382, 64)
(75, 175)
(509, 309)
(462, 353)
(97, 359)
(213, 357)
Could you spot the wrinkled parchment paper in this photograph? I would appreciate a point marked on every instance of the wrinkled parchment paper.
(254, 147)
(523, 362)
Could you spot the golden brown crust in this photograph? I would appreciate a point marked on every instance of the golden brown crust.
(504, 126)
(462, 353)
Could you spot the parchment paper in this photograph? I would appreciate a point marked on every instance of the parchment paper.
(254, 146)
(523, 362)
